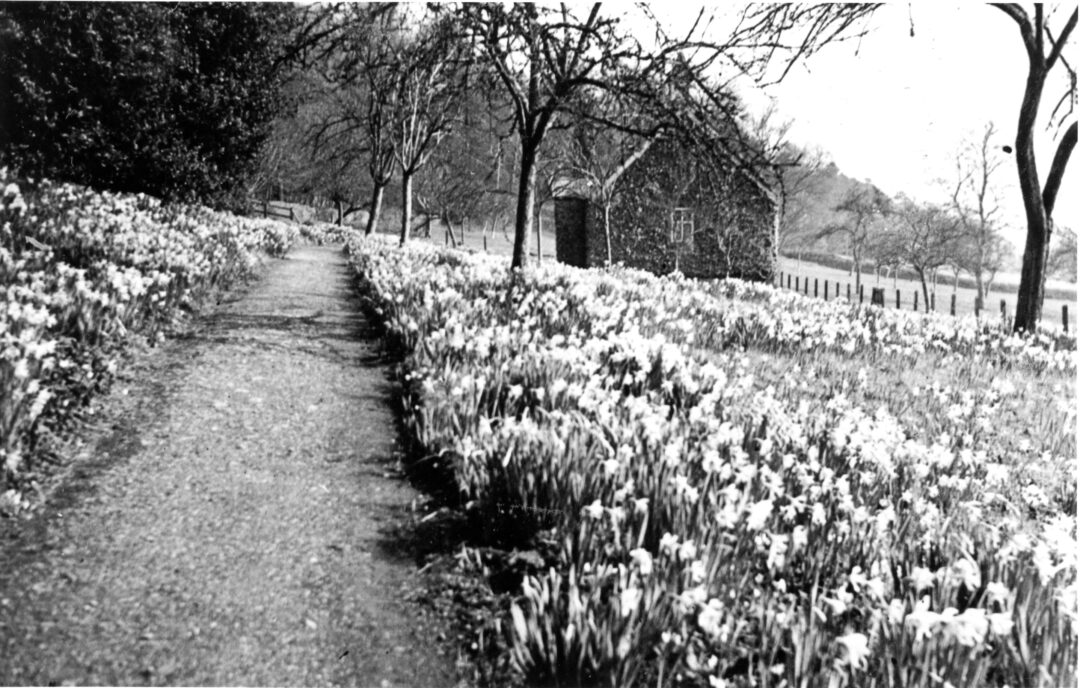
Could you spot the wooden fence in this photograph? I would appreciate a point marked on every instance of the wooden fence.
(275, 209)
(820, 288)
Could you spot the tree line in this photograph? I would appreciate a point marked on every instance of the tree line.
(470, 110)
(962, 234)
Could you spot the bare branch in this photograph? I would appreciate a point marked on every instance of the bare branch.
(1057, 168)
(1057, 45)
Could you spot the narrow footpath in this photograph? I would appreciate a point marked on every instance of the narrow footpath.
(241, 525)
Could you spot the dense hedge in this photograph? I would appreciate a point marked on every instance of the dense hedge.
(174, 100)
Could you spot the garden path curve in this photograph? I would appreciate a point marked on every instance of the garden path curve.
(237, 524)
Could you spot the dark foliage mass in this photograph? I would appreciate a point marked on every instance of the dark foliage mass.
(174, 100)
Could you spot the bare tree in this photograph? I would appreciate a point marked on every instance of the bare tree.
(399, 80)
(864, 208)
(542, 56)
(460, 174)
(360, 76)
(1044, 48)
(432, 74)
(1063, 257)
(790, 170)
(922, 236)
(976, 205)
(599, 154)
(545, 55)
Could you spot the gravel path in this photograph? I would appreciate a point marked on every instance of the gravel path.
(238, 524)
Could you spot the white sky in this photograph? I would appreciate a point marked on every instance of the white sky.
(895, 109)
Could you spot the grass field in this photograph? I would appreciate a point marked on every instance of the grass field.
(498, 242)
(965, 298)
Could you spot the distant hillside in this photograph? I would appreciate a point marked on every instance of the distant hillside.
(810, 208)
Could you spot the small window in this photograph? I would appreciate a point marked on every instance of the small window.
(682, 225)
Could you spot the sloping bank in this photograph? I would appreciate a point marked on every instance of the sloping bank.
(694, 526)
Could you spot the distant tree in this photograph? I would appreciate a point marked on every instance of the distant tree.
(975, 203)
(542, 57)
(431, 79)
(1062, 261)
(171, 100)
(455, 183)
(791, 172)
(987, 255)
(299, 166)
(545, 56)
(597, 154)
(360, 61)
(355, 130)
(922, 237)
(863, 209)
(1044, 48)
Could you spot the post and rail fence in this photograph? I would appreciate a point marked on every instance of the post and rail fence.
(878, 297)
(274, 209)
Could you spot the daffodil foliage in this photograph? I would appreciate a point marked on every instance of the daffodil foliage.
(740, 486)
(80, 273)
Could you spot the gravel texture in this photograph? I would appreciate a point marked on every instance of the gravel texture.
(238, 522)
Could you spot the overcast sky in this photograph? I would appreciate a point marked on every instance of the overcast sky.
(894, 108)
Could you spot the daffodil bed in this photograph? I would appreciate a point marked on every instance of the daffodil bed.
(740, 486)
(81, 272)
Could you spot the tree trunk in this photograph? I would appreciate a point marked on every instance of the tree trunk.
(523, 220)
(607, 229)
(1029, 299)
(449, 230)
(406, 206)
(340, 212)
(539, 231)
(376, 209)
(857, 267)
(778, 217)
(925, 292)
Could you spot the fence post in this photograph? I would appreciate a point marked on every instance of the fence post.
(877, 296)
(952, 304)
(826, 290)
(789, 281)
(796, 283)
(1004, 317)
(1065, 317)
(898, 298)
(861, 292)
(849, 291)
(806, 286)
(815, 287)
(933, 300)
(916, 299)
(485, 242)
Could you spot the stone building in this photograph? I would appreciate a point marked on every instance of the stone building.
(672, 212)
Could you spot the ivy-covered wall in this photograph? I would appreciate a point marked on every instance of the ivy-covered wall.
(732, 220)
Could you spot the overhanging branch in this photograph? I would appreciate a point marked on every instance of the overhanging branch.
(1057, 168)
